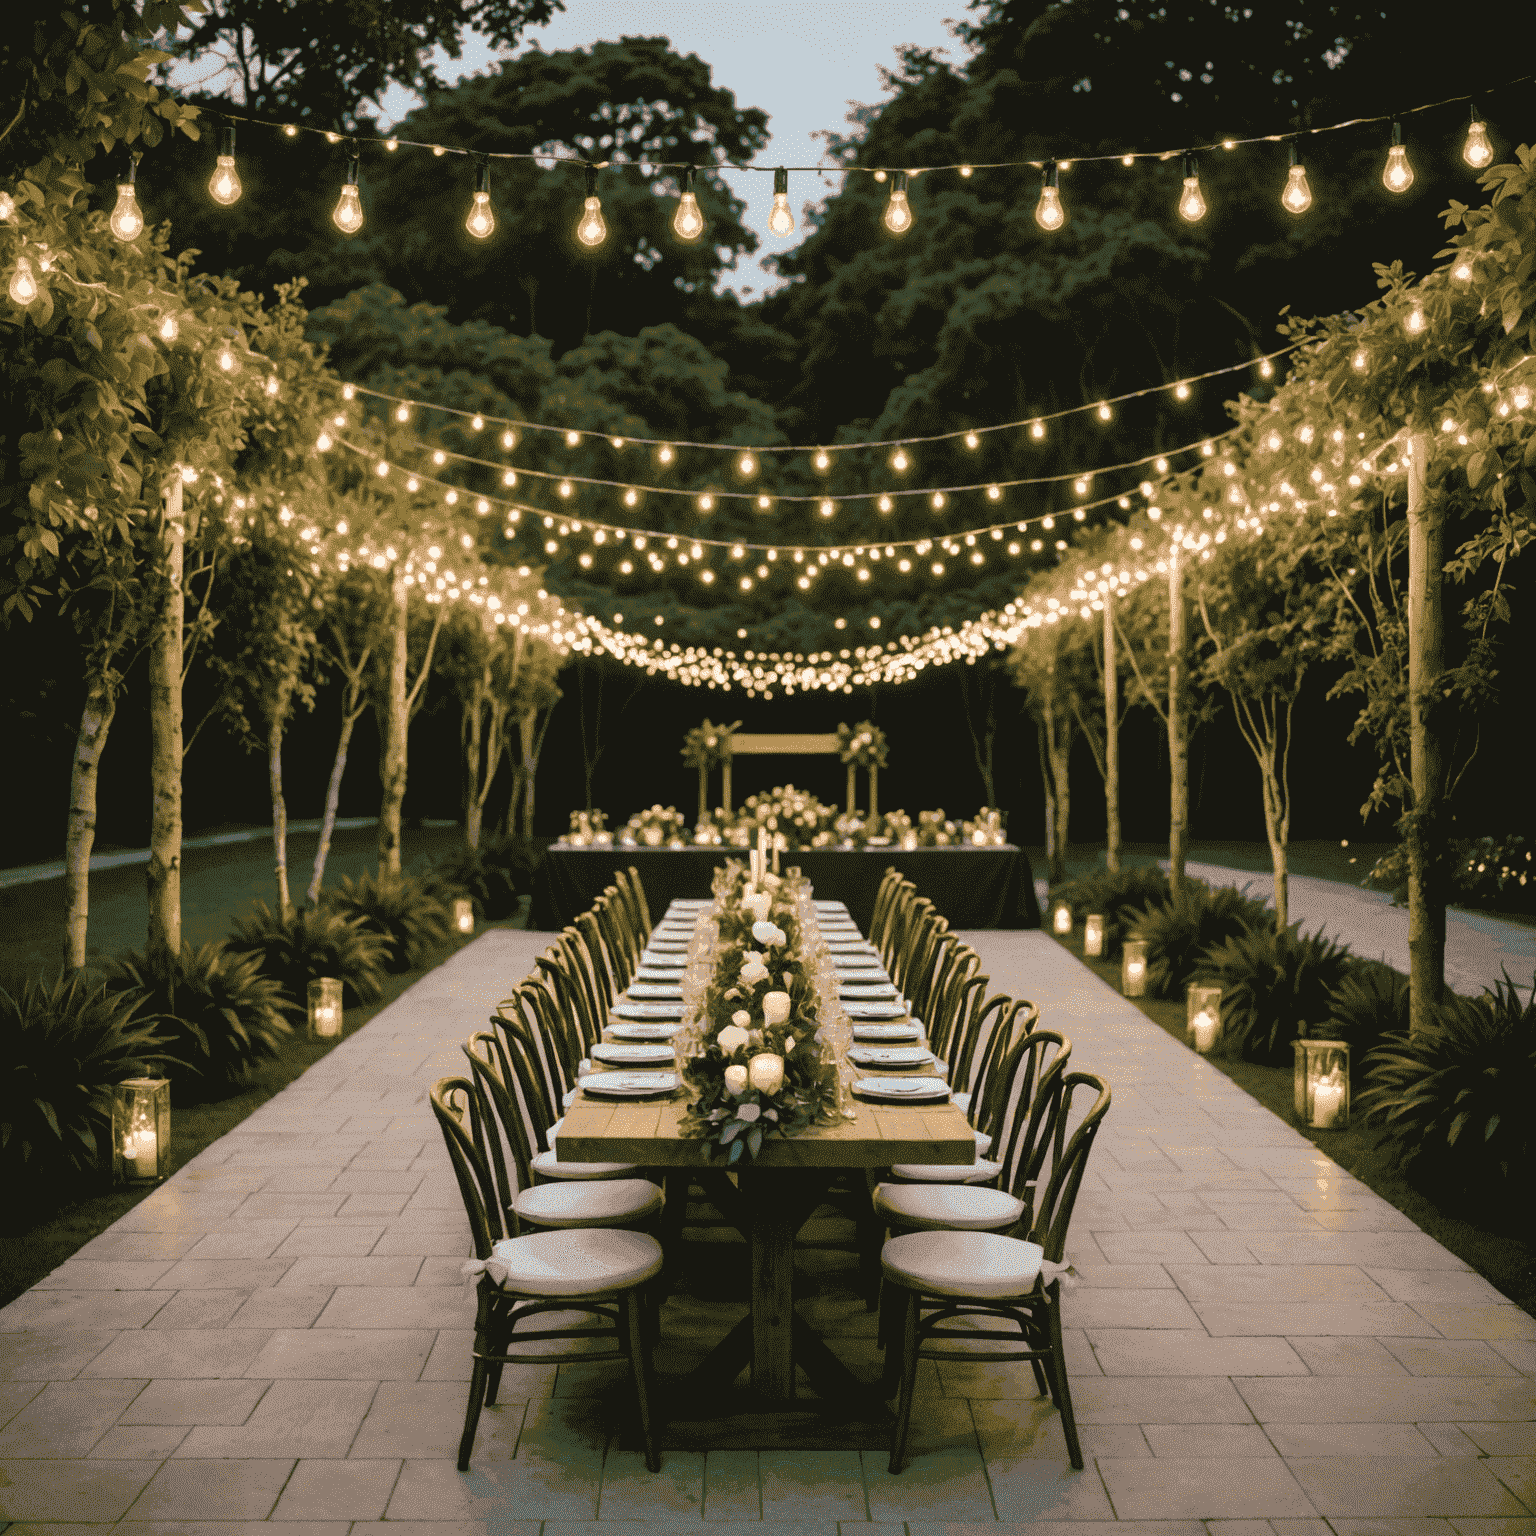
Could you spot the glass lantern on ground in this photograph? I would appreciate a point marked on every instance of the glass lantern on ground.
(463, 915)
(141, 1130)
(1133, 968)
(1322, 1084)
(1093, 936)
(1202, 1012)
(1061, 919)
(325, 1008)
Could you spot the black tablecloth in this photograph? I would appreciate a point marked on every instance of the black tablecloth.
(972, 887)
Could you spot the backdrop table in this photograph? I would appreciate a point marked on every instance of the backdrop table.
(972, 887)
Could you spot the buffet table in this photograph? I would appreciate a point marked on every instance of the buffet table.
(973, 887)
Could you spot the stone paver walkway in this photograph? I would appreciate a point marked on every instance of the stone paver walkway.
(1259, 1346)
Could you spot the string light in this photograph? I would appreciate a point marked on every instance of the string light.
(1477, 151)
(481, 219)
(1297, 196)
(24, 285)
(348, 214)
(224, 185)
(127, 222)
(1049, 214)
(7, 207)
(170, 328)
(591, 230)
(898, 213)
(1397, 174)
(1191, 199)
(688, 222)
(781, 221)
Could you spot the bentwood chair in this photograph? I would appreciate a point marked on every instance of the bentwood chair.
(633, 890)
(885, 898)
(949, 1276)
(597, 1271)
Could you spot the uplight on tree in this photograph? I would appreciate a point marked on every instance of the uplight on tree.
(1477, 151)
(348, 214)
(688, 222)
(781, 221)
(224, 184)
(127, 222)
(592, 231)
(898, 212)
(481, 220)
(1049, 214)
(1191, 199)
(1297, 196)
(1397, 174)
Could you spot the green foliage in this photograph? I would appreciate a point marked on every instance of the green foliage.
(407, 912)
(1272, 986)
(1121, 897)
(62, 1047)
(219, 1012)
(311, 943)
(1179, 929)
(1371, 1002)
(1496, 872)
(1456, 1099)
(493, 876)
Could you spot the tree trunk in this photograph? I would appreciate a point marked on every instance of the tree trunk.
(279, 807)
(351, 709)
(80, 831)
(531, 731)
(1178, 725)
(1277, 829)
(725, 785)
(703, 792)
(1058, 751)
(852, 789)
(1111, 741)
(393, 733)
(1047, 784)
(1426, 662)
(874, 790)
(470, 737)
(165, 750)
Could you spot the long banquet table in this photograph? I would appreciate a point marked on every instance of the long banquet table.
(972, 887)
(768, 1201)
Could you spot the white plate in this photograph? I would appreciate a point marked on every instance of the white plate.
(631, 1053)
(622, 1031)
(895, 1089)
(668, 946)
(629, 1085)
(865, 973)
(663, 975)
(830, 906)
(906, 1031)
(887, 1055)
(663, 1011)
(663, 961)
(866, 991)
(677, 933)
(846, 946)
(656, 989)
(874, 1010)
(839, 930)
(690, 903)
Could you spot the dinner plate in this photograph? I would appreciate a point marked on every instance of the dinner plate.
(830, 906)
(904, 1031)
(682, 932)
(887, 1055)
(662, 961)
(893, 1090)
(660, 990)
(838, 930)
(844, 946)
(874, 1010)
(631, 1053)
(864, 991)
(690, 903)
(629, 1085)
(660, 975)
(667, 946)
(622, 1031)
(628, 1010)
(847, 975)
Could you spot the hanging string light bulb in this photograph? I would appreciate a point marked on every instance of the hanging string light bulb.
(781, 221)
(1191, 199)
(24, 285)
(592, 231)
(1297, 196)
(481, 220)
(898, 212)
(224, 184)
(1477, 151)
(688, 222)
(348, 215)
(1397, 174)
(1049, 214)
(127, 222)
(170, 328)
(7, 207)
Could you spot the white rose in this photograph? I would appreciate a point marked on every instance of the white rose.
(736, 1080)
(766, 1072)
(732, 1038)
(775, 1007)
(763, 931)
(742, 1019)
(752, 957)
(760, 903)
(752, 974)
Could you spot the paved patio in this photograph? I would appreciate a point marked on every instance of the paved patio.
(1258, 1345)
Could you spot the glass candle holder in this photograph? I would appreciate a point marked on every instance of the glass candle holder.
(325, 1008)
(1322, 1084)
(463, 915)
(1061, 919)
(1202, 1014)
(141, 1130)
(1133, 968)
(1093, 936)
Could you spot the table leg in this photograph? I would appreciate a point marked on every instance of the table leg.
(772, 1227)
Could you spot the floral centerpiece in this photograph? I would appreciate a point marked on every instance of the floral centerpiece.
(705, 747)
(933, 831)
(761, 1065)
(659, 827)
(588, 829)
(863, 746)
(790, 816)
(985, 830)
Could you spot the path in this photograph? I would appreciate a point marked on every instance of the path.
(280, 1335)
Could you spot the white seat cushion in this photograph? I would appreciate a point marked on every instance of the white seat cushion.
(590, 1261)
(570, 1096)
(550, 1166)
(595, 1203)
(982, 1171)
(959, 1207)
(976, 1264)
(961, 1101)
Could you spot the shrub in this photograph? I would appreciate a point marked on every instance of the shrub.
(307, 944)
(1120, 896)
(1370, 1003)
(1178, 929)
(62, 1047)
(1272, 984)
(406, 911)
(219, 1013)
(493, 876)
(1456, 1099)
(1497, 872)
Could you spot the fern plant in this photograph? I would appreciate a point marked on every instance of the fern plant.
(493, 876)
(62, 1047)
(1368, 1005)
(1180, 928)
(295, 950)
(1272, 986)
(1120, 895)
(1456, 1098)
(219, 1012)
(408, 913)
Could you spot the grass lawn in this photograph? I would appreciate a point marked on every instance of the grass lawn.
(1497, 1237)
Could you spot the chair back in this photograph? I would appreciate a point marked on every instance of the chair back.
(524, 1065)
(1025, 1107)
(559, 1041)
(461, 1117)
(629, 881)
(596, 960)
(1053, 1211)
(951, 999)
(991, 1030)
(507, 1131)
(885, 898)
(897, 925)
(623, 948)
(564, 980)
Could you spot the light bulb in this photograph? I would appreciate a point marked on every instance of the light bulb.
(127, 223)
(481, 219)
(1191, 199)
(1414, 323)
(688, 222)
(348, 216)
(224, 184)
(1397, 174)
(898, 212)
(1049, 214)
(899, 460)
(592, 230)
(7, 207)
(781, 221)
(227, 360)
(1477, 151)
(1297, 197)
(971, 440)
(23, 284)
(170, 328)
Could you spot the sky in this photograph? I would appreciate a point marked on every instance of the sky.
(802, 61)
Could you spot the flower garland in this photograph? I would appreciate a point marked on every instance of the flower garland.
(659, 827)
(760, 1065)
(862, 745)
(707, 746)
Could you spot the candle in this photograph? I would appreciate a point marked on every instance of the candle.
(1204, 1027)
(1135, 970)
(325, 1020)
(464, 914)
(1328, 1106)
(1062, 921)
(1093, 936)
(141, 1151)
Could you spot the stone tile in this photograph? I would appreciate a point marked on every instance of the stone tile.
(1518, 1474)
(255, 1240)
(1503, 1439)
(1158, 1400)
(1448, 1357)
(115, 1244)
(198, 1309)
(812, 1485)
(1347, 1357)
(1448, 1440)
(732, 1486)
(336, 1271)
(1521, 1353)
(224, 1274)
(1494, 1527)
(206, 1352)
(337, 1490)
(1058, 1528)
(104, 1275)
(1126, 1308)
(384, 1306)
(1328, 1284)
(15, 1395)
(416, 1420)
(187, 1402)
(532, 1488)
(264, 1207)
(294, 1418)
(70, 1490)
(138, 1442)
(1035, 1488)
(1364, 1318)
(212, 1490)
(37, 1357)
(1371, 1486)
(1148, 1248)
(1169, 1488)
(1349, 1440)
(66, 1311)
(342, 1354)
(422, 1242)
(284, 1306)
(1437, 1285)
(66, 1419)
(328, 1242)
(1186, 1352)
(1478, 1320)
(949, 1483)
(631, 1492)
(1209, 1440)
(1142, 1277)
(1388, 1400)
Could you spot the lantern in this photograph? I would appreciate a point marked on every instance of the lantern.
(1061, 919)
(1133, 968)
(141, 1130)
(1202, 1012)
(463, 914)
(1322, 1084)
(909, 840)
(1093, 936)
(325, 1008)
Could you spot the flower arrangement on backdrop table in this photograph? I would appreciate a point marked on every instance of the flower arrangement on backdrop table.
(763, 1042)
